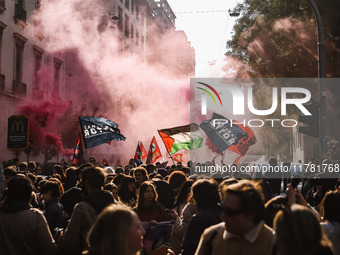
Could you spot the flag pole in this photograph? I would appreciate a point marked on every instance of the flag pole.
(83, 143)
(166, 148)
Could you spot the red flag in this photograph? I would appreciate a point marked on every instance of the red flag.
(178, 157)
(75, 160)
(154, 152)
(104, 162)
(140, 152)
(244, 143)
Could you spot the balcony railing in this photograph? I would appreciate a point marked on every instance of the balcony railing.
(20, 13)
(19, 88)
(2, 82)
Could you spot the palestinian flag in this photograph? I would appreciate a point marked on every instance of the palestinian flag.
(186, 137)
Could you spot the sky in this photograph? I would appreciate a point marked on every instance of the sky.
(208, 27)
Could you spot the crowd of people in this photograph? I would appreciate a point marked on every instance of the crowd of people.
(101, 209)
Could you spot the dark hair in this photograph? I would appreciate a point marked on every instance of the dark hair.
(94, 177)
(59, 170)
(205, 192)
(176, 179)
(143, 171)
(32, 177)
(52, 186)
(32, 164)
(19, 189)
(119, 170)
(184, 192)
(142, 189)
(110, 186)
(124, 192)
(10, 171)
(118, 179)
(250, 198)
(330, 206)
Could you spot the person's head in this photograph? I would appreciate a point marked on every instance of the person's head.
(113, 189)
(127, 187)
(57, 169)
(243, 206)
(117, 230)
(92, 160)
(330, 206)
(92, 179)
(20, 188)
(298, 231)
(140, 174)
(206, 195)
(272, 207)
(150, 168)
(147, 194)
(23, 167)
(71, 174)
(184, 192)
(176, 179)
(31, 166)
(272, 161)
(9, 173)
(50, 190)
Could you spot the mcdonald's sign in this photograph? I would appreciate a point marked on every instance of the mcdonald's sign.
(18, 133)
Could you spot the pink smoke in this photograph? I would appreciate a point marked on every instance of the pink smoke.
(104, 81)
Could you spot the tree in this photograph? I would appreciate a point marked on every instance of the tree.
(278, 38)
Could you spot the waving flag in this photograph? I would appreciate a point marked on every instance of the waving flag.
(224, 135)
(186, 137)
(154, 152)
(177, 157)
(140, 152)
(97, 131)
(76, 155)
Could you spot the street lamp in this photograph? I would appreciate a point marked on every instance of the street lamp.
(322, 87)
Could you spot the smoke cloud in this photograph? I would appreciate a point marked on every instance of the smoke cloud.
(104, 80)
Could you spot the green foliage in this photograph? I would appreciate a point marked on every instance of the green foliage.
(278, 38)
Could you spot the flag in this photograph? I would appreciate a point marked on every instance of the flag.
(76, 155)
(140, 152)
(105, 162)
(178, 157)
(154, 152)
(97, 131)
(186, 137)
(226, 135)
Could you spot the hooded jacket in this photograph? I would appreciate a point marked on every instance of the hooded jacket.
(82, 219)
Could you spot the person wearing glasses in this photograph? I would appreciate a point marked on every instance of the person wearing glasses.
(243, 230)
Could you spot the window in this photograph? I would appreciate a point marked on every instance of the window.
(126, 31)
(56, 79)
(19, 43)
(20, 13)
(38, 56)
(120, 20)
(127, 4)
(2, 6)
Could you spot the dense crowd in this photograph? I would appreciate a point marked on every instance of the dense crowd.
(101, 209)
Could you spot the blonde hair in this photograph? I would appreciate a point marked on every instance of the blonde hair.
(299, 230)
(109, 233)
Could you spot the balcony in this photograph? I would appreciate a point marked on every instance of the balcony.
(2, 82)
(19, 88)
(2, 6)
(20, 14)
